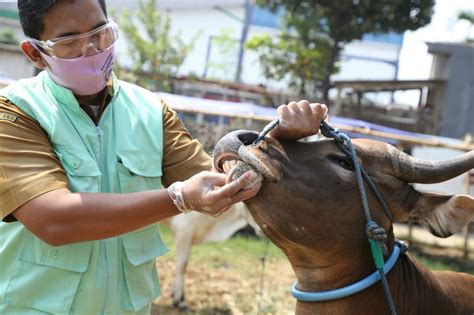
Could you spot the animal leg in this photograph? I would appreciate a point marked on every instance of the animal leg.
(183, 251)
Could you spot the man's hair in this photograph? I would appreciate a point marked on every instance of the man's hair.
(32, 12)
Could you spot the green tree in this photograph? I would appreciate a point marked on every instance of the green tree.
(156, 54)
(295, 56)
(342, 21)
(468, 16)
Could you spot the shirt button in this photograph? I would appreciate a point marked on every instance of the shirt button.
(141, 166)
(75, 164)
(54, 254)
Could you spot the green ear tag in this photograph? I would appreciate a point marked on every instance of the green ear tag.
(377, 254)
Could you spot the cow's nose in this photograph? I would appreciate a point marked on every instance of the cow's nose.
(230, 144)
(246, 137)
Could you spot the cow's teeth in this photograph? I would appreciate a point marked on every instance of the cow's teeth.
(228, 165)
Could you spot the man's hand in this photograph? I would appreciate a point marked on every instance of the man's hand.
(299, 120)
(209, 193)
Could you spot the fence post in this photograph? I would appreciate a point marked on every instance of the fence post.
(466, 228)
(410, 232)
(249, 123)
(199, 118)
(220, 128)
(466, 241)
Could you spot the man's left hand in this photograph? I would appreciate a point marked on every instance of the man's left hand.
(299, 120)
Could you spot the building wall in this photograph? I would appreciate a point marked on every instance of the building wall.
(369, 60)
(17, 67)
(455, 64)
(13, 64)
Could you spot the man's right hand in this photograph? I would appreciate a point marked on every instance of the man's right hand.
(208, 192)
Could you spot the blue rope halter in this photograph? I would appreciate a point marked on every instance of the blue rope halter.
(375, 234)
(352, 288)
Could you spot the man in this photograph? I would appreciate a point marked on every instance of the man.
(83, 159)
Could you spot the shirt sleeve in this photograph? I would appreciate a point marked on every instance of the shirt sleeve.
(183, 156)
(28, 165)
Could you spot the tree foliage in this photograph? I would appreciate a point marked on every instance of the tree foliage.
(156, 54)
(338, 22)
(297, 60)
(466, 15)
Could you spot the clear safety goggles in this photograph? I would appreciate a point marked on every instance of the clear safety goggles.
(86, 44)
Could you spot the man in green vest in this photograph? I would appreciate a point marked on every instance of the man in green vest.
(84, 158)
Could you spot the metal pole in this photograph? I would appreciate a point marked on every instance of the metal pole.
(208, 56)
(397, 67)
(243, 39)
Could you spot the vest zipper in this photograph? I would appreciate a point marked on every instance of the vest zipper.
(104, 242)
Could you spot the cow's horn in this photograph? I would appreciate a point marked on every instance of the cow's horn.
(413, 170)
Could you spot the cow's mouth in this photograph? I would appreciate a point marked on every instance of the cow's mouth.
(235, 163)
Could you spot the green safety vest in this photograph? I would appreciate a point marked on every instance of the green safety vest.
(123, 154)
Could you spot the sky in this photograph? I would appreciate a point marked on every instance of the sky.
(415, 61)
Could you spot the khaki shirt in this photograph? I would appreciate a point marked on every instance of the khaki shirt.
(29, 167)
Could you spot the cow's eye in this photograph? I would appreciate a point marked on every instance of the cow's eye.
(342, 161)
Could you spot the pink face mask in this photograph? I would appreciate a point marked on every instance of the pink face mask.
(85, 75)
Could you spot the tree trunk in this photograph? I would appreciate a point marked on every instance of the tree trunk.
(327, 79)
(302, 87)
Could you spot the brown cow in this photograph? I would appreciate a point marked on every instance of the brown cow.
(309, 206)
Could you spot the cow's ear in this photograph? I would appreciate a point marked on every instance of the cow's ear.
(442, 215)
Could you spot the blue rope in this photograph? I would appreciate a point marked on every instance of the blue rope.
(353, 288)
(374, 232)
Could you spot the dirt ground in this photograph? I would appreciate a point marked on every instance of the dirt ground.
(222, 290)
(225, 290)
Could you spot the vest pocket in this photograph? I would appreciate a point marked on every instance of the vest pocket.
(82, 170)
(47, 277)
(141, 248)
(138, 171)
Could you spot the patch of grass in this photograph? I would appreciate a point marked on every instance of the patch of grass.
(438, 258)
(238, 251)
(435, 264)
(245, 253)
(242, 248)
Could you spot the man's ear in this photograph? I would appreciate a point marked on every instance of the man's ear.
(32, 54)
(442, 215)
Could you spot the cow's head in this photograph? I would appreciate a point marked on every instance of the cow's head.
(309, 204)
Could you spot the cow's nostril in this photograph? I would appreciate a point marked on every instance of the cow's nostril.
(247, 138)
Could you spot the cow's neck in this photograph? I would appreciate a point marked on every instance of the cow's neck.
(333, 270)
(414, 288)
